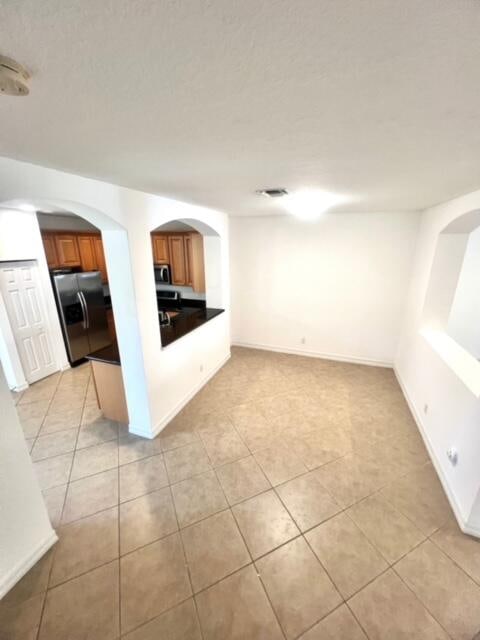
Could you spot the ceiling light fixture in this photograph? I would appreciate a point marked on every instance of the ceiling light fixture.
(272, 193)
(27, 207)
(13, 78)
(309, 204)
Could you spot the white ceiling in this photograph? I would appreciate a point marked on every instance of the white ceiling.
(207, 101)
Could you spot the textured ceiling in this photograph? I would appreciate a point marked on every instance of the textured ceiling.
(208, 100)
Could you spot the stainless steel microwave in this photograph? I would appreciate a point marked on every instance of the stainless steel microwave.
(162, 274)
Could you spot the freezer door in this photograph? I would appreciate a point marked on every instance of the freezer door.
(72, 316)
(91, 290)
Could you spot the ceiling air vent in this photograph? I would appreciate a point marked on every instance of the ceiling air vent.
(13, 78)
(272, 193)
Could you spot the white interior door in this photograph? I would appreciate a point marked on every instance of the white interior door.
(23, 299)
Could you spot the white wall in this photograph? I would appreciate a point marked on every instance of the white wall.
(20, 239)
(58, 222)
(26, 532)
(464, 320)
(157, 381)
(340, 283)
(453, 415)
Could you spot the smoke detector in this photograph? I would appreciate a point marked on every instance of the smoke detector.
(13, 78)
(272, 193)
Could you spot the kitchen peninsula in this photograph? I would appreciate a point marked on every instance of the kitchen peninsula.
(106, 364)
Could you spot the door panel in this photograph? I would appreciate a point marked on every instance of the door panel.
(50, 250)
(160, 249)
(91, 286)
(86, 248)
(26, 311)
(67, 250)
(177, 259)
(100, 258)
(72, 316)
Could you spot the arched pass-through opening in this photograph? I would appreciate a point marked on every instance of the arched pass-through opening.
(18, 214)
(187, 261)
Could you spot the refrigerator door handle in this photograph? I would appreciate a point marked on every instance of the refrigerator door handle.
(85, 306)
(81, 299)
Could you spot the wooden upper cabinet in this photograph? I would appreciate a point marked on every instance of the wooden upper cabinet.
(176, 248)
(188, 259)
(195, 261)
(161, 254)
(67, 250)
(50, 250)
(100, 257)
(86, 248)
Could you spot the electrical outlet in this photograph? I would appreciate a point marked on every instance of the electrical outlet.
(425, 408)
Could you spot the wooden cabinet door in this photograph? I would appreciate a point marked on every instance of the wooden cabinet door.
(100, 257)
(177, 259)
(160, 249)
(188, 259)
(196, 262)
(86, 248)
(67, 250)
(50, 250)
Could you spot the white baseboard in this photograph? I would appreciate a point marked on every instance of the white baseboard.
(462, 521)
(21, 387)
(171, 414)
(13, 576)
(314, 354)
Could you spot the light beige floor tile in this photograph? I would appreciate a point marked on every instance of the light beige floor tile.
(462, 548)
(96, 432)
(146, 519)
(178, 433)
(67, 419)
(212, 424)
(298, 587)
(85, 545)
(347, 555)
(237, 608)
(351, 478)
(338, 625)
(447, 592)
(53, 472)
(319, 447)
(225, 447)
(180, 623)
(420, 497)
(279, 464)
(153, 579)
(133, 448)
(186, 462)
(265, 523)
(33, 582)
(92, 460)
(242, 479)
(54, 499)
(387, 609)
(66, 403)
(86, 607)
(214, 548)
(31, 417)
(54, 444)
(91, 412)
(390, 531)
(307, 501)
(91, 494)
(197, 498)
(19, 621)
(141, 477)
(257, 433)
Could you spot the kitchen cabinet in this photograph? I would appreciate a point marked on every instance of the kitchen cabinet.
(50, 250)
(86, 246)
(176, 246)
(75, 249)
(195, 261)
(100, 258)
(67, 250)
(161, 254)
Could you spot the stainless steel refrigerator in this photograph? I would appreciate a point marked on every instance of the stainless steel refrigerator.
(81, 306)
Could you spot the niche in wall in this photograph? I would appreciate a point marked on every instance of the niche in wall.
(451, 315)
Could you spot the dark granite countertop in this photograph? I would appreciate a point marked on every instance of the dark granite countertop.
(187, 320)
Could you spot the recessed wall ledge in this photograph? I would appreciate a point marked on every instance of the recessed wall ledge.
(458, 359)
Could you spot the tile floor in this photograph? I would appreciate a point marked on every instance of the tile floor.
(292, 498)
